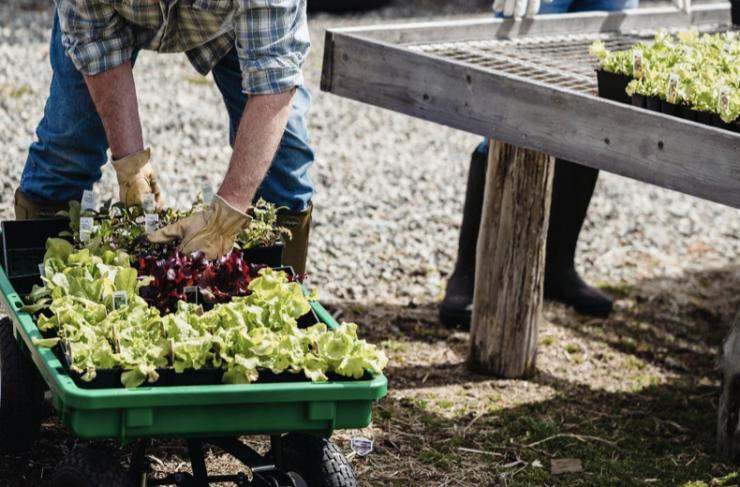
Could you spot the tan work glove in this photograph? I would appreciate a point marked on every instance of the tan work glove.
(136, 178)
(211, 231)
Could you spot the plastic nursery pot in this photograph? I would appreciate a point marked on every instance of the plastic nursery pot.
(266, 376)
(719, 123)
(653, 103)
(670, 108)
(271, 256)
(735, 11)
(104, 378)
(704, 118)
(689, 114)
(201, 377)
(613, 86)
(639, 101)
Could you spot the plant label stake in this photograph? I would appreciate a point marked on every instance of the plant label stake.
(86, 228)
(42, 270)
(672, 95)
(120, 299)
(362, 446)
(147, 203)
(637, 63)
(723, 100)
(191, 293)
(151, 222)
(89, 201)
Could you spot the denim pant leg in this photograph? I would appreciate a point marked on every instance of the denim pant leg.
(287, 182)
(71, 145)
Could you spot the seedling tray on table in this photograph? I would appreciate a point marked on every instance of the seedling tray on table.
(214, 410)
(532, 83)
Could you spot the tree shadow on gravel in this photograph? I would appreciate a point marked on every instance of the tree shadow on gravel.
(662, 435)
(674, 323)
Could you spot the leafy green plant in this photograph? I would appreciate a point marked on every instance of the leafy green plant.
(80, 305)
(699, 71)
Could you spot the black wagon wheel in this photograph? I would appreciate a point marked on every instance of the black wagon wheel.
(340, 6)
(90, 467)
(318, 461)
(21, 394)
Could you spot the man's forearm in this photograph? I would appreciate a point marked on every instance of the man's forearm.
(260, 130)
(114, 95)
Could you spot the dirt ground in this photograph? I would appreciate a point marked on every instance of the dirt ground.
(632, 397)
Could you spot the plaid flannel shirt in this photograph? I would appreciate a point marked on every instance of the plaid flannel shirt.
(271, 36)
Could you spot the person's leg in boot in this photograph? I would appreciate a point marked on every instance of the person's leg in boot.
(573, 186)
(71, 145)
(456, 308)
(287, 184)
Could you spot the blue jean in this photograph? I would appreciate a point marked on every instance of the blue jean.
(71, 145)
(570, 6)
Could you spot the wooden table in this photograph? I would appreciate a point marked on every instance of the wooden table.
(529, 86)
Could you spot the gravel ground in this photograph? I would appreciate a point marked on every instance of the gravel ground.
(389, 188)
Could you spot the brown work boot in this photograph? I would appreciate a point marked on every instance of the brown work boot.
(27, 208)
(296, 249)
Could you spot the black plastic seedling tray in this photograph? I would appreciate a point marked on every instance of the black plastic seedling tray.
(271, 256)
(24, 245)
(655, 104)
(613, 86)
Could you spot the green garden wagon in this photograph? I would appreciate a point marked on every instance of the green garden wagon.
(299, 417)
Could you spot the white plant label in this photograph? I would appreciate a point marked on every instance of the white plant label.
(151, 222)
(637, 63)
(361, 446)
(120, 299)
(723, 100)
(89, 200)
(42, 270)
(672, 95)
(207, 191)
(86, 228)
(147, 203)
(191, 292)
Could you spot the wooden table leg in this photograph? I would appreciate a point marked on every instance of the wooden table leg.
(511, 261)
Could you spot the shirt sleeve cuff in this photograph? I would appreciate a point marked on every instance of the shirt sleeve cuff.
(95, 57)
(270, 81)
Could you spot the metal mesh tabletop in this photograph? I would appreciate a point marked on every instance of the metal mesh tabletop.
(531, 83)
(561, 60)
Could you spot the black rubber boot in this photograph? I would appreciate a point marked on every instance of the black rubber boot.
(573, 187)
(456, 308)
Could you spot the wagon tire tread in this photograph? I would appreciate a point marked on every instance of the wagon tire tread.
(21, 395)
(90, 467)
(319, 461)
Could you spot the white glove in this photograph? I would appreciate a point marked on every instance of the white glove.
(521, 8)
(684, 5)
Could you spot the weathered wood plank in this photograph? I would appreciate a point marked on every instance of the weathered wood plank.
(511, 261)
(488, 27)
(666, 151)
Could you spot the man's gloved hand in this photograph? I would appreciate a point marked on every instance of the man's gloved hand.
(211, 231)
(517, 8)
(684, 5)
(136, 178)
